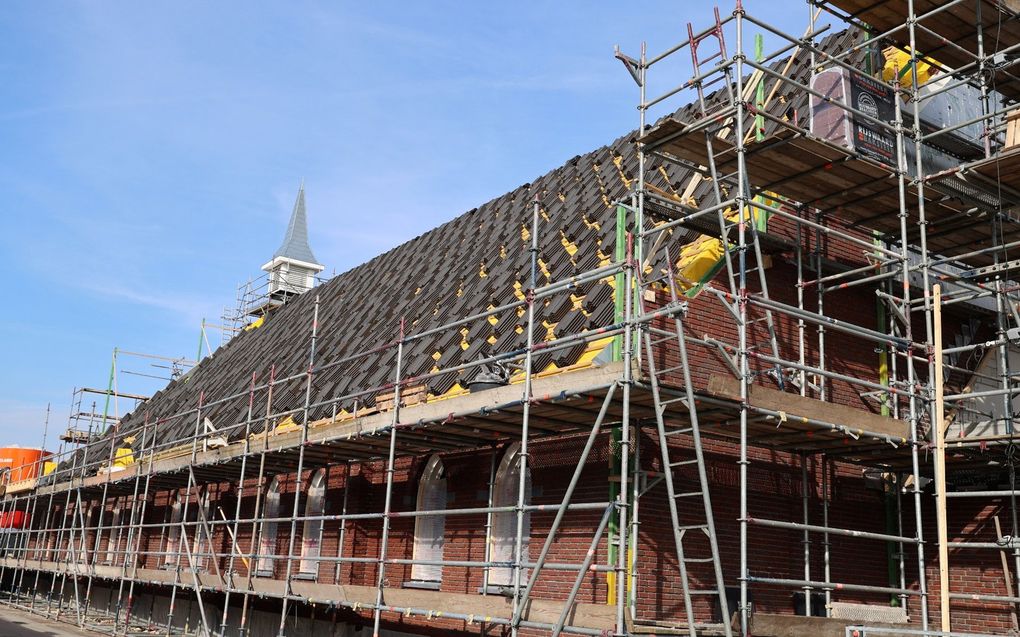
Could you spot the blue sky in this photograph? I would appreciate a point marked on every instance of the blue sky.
(152, 151)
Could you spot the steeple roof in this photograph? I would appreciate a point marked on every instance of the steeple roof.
(295, 243)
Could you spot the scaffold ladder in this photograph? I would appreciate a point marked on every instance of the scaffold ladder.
(751, 242)
(694, 40)
(739, 230)
(690, 510)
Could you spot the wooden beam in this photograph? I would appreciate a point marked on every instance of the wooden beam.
(796, 405)
(940, 466)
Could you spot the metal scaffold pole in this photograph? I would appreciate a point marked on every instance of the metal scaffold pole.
(687, 355)
(622, 569)
(523, 469)
(134, 553)
(298, 477)
(388, 499)
(935, 422)
(745, 369)
(235, 545)
(254, 551)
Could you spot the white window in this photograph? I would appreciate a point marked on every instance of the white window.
(267, 535)
(201, 548)
(113, 540)
(504, 524)
(53, 534)
(173, 533)
(311, 535)
(429, 529)
(72, 533)
(42, 538)
(86, 535)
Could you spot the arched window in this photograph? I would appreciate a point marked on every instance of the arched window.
(51, 550)
(267, 535)
(44, 536)
(201, 547)
(113, 539)
(429, 529)
(311, 535)
(173, 533)
(504, 524)
(85, 534)
(65, 538)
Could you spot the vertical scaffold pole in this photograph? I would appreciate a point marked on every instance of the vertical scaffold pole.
(228, 577)
(913, 399)
(185, 541)
(826, 545)
(182, 532)
(296, 511)
(525, 423)
(388, 500)
(561, 511)
(137, 556)
(42, 552)
(99, 525)
(745, 371)
(64, 521)
(256, 528)
(628, 380)
(806, 538)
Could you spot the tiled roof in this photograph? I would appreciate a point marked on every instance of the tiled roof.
(477, 260)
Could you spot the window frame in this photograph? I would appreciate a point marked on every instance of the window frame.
(113, 537)
(199, 537)
(506, 487)
(265, 563)
(433, 495)
(315, 505)
(175, 518)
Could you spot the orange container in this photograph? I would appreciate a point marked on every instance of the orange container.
(24, 462)
(13, 520)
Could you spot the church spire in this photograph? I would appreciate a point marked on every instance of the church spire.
(295, 242)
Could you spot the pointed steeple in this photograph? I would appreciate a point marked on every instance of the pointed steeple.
(295, 243)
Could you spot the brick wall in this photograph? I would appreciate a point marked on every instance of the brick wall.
(775, 492)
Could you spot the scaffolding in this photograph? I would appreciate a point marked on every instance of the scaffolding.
(765, 187)
(757, 152)
(256, 298)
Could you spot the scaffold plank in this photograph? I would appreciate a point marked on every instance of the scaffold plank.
(840, 183)
(599, 616)
(795, 406)
(1003, 168)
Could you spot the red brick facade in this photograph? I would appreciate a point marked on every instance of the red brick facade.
(774, 492)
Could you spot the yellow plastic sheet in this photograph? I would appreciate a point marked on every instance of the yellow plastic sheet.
(701, 259)
(897, 60)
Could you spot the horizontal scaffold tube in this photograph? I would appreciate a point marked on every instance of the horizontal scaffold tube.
(828, 321)
(814, 528)
(831, 586)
